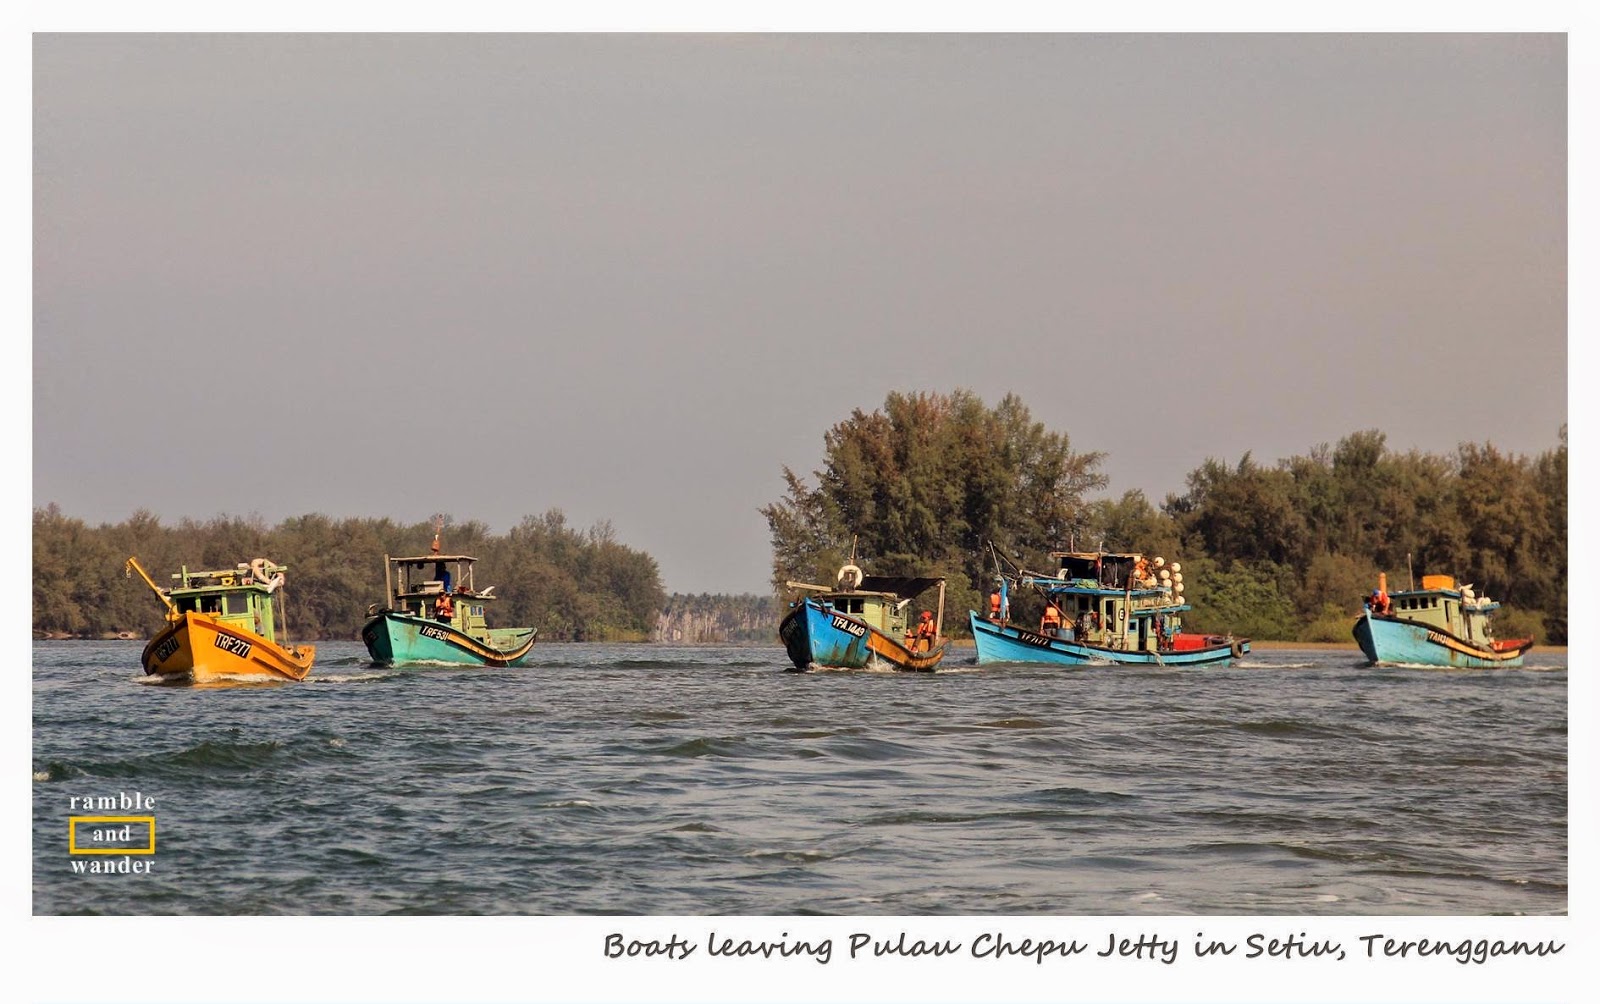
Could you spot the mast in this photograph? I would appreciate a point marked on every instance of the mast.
(132, 565)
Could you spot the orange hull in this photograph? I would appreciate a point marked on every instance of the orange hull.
(199, 649)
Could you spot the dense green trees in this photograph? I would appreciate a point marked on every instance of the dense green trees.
(572, 584)
(1320, 527)
(921, 485)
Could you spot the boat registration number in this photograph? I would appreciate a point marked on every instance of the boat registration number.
(429, 631)
(233, 646)
(1029, 638)
(166, 648)
(848, 626)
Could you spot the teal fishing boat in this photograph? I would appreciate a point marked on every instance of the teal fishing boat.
(1100, 608)
(1442, 624)
(435, 614)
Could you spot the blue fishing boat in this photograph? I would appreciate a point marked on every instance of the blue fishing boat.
(1100, 608)
(435, 615)
(863, 622)
(1441, 624)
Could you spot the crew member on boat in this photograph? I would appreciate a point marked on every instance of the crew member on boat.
(443, 609)
(925, 631)
(1379, 602)
(994, 605)
(1087, 622)
(1050, 623)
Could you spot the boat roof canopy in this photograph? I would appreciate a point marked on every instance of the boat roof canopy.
(1091, 555)
(904, 586)
(425, 558)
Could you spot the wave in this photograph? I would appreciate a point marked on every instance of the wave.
(1289, 727)
(1017, 723)
(1253, 664)
(207, 757)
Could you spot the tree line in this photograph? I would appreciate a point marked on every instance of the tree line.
(574, 585)
(1282, 551)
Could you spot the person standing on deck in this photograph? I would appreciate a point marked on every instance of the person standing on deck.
(1050, 623)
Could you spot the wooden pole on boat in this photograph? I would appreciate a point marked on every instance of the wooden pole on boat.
(1409, 573)
(388, 583)
(938, 623)
(132, 565)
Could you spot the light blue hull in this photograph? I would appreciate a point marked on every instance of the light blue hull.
(1394, 641)
(395, 639)
(1012, 644)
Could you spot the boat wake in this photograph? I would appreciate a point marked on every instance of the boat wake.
(352, 677)
(1253, 664)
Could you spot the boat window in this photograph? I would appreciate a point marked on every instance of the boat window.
(239, 603)
(185, 604)
(211, 604)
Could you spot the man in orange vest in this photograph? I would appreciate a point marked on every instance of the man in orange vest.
(1050, 623)
(994, 606)
(925, 631)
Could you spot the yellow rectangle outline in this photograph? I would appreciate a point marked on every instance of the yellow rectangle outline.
(72, 834)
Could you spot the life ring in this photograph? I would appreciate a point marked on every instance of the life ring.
(853, 573)
(1237, 649)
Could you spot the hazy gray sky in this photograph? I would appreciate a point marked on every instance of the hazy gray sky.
(632, 276)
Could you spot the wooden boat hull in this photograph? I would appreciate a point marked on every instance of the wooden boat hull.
(199, 649)
(1390, 641)
(396, 639)
(1009, 643)
(816, 636)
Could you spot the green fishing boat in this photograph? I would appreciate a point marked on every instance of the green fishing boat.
(435, 614)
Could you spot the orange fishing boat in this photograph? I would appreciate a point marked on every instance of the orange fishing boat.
(223, 626)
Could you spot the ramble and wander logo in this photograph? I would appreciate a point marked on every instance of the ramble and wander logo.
(112, 844)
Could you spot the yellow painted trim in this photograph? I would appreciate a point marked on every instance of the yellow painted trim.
(73, 822)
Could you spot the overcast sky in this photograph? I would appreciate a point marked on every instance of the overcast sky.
(633, 276)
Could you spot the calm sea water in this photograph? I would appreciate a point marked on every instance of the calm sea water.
(640, 779)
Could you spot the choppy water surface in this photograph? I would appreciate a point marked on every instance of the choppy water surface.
(642, 779)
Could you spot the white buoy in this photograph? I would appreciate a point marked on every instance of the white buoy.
(1160, 561)
(1165, 575)
(1177, 576)
(1176, 568)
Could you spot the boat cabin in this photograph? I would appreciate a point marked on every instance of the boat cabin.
(241, 597)
(1112, 600)
(1441, 604)
(884, 602)
(437, 587)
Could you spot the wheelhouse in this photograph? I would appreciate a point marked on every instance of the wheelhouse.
(233, 596)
